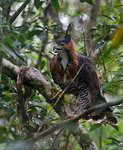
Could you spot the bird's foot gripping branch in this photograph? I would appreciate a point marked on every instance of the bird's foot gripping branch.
(58, 93)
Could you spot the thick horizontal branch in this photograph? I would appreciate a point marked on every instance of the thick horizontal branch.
(68, 122)
(33, 78)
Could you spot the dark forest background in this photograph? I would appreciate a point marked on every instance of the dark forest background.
(28, 31)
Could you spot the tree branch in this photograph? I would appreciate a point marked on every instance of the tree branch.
(69, 122)
(16, 14)
(8, 9)
(92, 22)
(33, 78)
(1, 56)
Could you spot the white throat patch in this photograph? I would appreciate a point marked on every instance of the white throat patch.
(64, 56)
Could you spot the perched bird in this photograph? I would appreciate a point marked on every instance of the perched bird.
(67, 64)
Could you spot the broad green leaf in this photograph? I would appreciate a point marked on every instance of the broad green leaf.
(114, 140)
(55, 4)
(37, 121)
(9, 40)
(6, 49)
(30, 34)
(43, 113)
(42, 64)
(115, 127)
(10, 51)
(30, 123)
(107, 17)
(95, 126)
(38, 3)
(88, 1)
(98, 44)
(46, 73)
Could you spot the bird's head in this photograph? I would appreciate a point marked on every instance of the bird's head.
(66, 46)
(62, 45)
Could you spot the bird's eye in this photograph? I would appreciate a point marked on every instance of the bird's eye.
(62, 44)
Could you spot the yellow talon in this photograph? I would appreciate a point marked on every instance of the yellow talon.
(59, 92)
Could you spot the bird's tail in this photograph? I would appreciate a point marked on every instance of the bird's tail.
(101, 114)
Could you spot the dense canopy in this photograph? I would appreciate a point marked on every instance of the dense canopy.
(28, 31)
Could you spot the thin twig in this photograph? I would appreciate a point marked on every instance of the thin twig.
(100, 137)
(30, 9)
(1, 58)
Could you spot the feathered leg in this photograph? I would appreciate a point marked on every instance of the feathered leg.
(83, 100)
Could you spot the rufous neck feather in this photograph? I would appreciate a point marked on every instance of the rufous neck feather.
(72, 49)
(69, 56)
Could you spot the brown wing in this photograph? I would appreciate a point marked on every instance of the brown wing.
(89, 74)
(93, 83)
(56, 70)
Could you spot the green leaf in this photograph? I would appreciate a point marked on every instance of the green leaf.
(87, 1)
(114, 140)
(6, 49)
(95, 126)
(42, 64)
(46, 73)
(98, 44)
(30, 34)
(55, 4)
(107, 17)
(38, 3)
(43, 113)
(115, 127)
(9, 40)
(10, 51)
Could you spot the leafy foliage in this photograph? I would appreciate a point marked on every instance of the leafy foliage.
(88, 1)
(29, 40)
(55, 4)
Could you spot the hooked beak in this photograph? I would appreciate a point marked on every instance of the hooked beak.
(57, 48)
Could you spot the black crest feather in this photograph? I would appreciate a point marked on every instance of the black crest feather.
(67, 29)
(67, 36)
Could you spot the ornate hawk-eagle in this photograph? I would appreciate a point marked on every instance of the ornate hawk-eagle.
(86, 86)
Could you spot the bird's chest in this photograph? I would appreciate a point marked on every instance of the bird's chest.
(64, 68)
(65, 74)
(67, 78)
(73, 86)
(64, 71)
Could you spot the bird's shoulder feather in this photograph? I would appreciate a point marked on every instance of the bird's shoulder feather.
(58, 72)
(89, 74)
